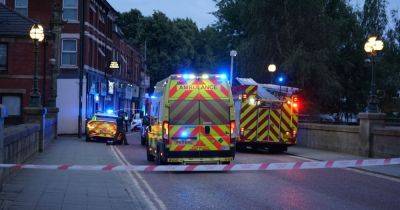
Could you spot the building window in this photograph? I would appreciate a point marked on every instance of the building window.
(21, 6)
(70, 10)
(69, 52)
(3, 57)
(3, 2)
(12, 104)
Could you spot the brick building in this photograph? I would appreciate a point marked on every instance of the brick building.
(103, 42)
(17, 63)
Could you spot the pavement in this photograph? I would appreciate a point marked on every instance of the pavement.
(296, 189)
(315, 154)
(46, 189)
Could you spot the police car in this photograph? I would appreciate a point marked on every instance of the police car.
(102, 126)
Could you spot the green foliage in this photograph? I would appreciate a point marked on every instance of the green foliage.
(172, 45)
(318, 44)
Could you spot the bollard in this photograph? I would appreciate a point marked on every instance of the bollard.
(52, 112)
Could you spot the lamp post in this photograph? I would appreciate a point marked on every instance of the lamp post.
(37, 35)
(233, 54)
(372, 47)
(272, 69)
(56, 24)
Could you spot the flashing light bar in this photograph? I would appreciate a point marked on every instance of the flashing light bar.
(203, 76)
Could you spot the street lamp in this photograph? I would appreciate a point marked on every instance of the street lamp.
(113, 66)
(37, 35)
(233, 54)
(272, 69)
(372, 47)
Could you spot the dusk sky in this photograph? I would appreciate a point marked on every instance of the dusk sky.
(198, 10)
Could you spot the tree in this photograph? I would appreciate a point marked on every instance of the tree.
(317, 44)
(374, 18)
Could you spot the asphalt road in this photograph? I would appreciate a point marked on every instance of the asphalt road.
(302, 189)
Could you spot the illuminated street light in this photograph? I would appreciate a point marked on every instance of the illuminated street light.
(114, 65)
(272, 69)
(37, 35)
(372, 47)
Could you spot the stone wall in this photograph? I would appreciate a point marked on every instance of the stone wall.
(387, 142)
(371, 138)
(338, 138)
(20, 143)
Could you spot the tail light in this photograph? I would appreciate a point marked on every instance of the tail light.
(165, 129)
(233, 127)
(244, 96)
(295, 102)
(241, 131)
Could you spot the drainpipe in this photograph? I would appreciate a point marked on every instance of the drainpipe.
(82, 70)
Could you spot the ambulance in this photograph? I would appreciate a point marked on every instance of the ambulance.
(192, 120)
(266, 115)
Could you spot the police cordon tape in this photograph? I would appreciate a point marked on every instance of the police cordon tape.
(230, 167)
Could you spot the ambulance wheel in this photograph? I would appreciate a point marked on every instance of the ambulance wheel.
(150, 157)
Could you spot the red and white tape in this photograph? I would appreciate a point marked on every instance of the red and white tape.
(230, 167)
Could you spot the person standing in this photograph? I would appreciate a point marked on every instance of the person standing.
(121, 128)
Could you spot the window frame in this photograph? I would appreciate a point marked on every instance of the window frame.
(71, 8)
(66, 51)
(19, 7)
(14, 119)
(5, 67)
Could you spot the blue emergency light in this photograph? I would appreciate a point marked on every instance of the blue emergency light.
(184, 134)
(110, 111)
(189, 76)
(223, 76)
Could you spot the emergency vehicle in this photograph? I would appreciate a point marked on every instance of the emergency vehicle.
(266, 115)
(102, 126)
(192, 120)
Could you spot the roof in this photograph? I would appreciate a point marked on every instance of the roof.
(246, 81)
(280, 88)
(13, 24)
(265, 90)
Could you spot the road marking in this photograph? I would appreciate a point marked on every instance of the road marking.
(356, 170)
(145, 183)
(135, 182)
